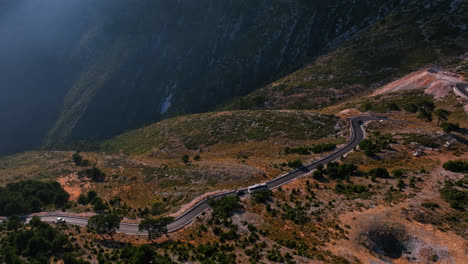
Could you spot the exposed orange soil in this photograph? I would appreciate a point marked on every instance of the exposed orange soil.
(436, 83)
(72, 185)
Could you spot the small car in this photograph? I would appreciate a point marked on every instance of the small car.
(60, 220)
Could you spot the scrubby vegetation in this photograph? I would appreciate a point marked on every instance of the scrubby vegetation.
(31, 196)
(423, 139)
(79, 161)
(320, 148)
(208, 129)
(294, 164)
(94, 174)
(261, 196)
(224, 206)
(93, 199)
(352, 190)
(369, 148)
(456, 166)
(457, 198)
(340, 171)
(379, 173)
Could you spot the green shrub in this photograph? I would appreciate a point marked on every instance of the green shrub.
(398, 173)
(351, 190)
(458, 199)
(449, 127)
(224, 206)
(430, 205)
(323, 147)
(424, 140)
(261, 196)
(456, 166)
(294, 163)
(94, 174)
(369, 148)
(340, 171)
(379, 173)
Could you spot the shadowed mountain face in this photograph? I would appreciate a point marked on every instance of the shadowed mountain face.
(83, 69)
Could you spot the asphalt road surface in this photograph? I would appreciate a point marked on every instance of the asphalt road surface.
(462, 87)
(357, 135)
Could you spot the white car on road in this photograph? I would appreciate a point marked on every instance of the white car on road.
(60, 220)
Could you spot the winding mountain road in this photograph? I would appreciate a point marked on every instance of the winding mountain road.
(357, 135)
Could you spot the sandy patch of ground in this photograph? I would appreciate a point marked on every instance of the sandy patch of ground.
(72, 185)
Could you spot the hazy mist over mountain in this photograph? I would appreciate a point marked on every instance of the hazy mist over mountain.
(37, 38)
(83, 69)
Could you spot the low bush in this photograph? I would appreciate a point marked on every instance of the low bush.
(456, 166)
(369, 148)
(294, 163)
(261, 196)
(340, 171)
(458, 199)
(379, 173)
(449, 127)
(224, 206)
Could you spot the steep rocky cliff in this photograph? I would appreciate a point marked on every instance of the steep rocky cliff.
(127, 63)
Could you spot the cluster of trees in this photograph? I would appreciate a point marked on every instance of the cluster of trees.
(458, 199)
(30, 196)
(155, 227)
(94, 174)
(261, 196)
(379, 173)
(369, 147)
(37, 242)
(323, 147)
(320, 148)
(79, 161)
(294, 163)
(105, 224)
(336, 171)
(297, 150)
(456, 166)
(223, 207)
(186, 158)
(92, 198)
